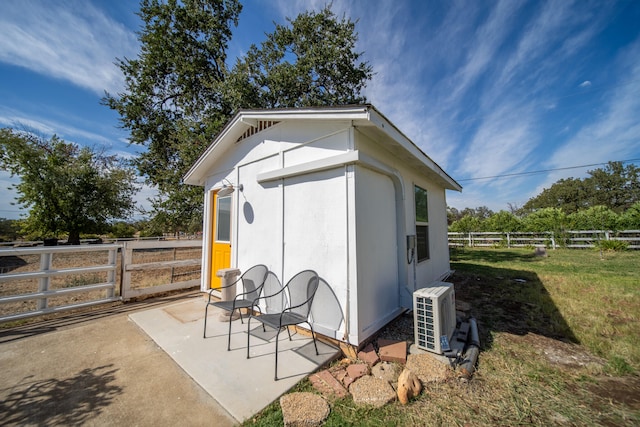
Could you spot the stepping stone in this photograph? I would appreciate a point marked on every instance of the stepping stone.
(326, 384)
(428, 368)
(372, 391)
(393, 351)
(369, 355)
(357, 370)
(387, 371)
(303, 409)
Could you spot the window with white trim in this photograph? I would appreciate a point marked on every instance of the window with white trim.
(223, 219)
(422, 223)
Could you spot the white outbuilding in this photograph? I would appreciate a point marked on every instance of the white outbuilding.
(339, 190)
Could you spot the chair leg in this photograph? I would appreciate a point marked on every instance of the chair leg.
(229, 342)
(275, 376)
(289, 332)
(248, 334)
(313, 335)
(204, 332)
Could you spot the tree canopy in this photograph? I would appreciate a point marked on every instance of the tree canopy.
(67, 188)
(615, 186)
(172, 102)
(179, 93)
(310, 62)
(9, 229)
(551, 219)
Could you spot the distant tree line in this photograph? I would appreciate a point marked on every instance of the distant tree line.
(609, 199)
(12, 230)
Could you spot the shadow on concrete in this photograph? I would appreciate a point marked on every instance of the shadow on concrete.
(68, 401)
(507, 300)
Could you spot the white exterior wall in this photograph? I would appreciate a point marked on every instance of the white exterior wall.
(295, 223)
(377, 288)
(348, 223)
(418, 274)
(437, 265)
(316, 237)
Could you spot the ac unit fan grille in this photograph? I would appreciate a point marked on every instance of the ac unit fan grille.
(425, 321)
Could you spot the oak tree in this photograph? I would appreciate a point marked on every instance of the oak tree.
(615, 186)
(67, 188)
(179, 93)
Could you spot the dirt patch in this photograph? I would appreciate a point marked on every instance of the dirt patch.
(568, 356)
(559, 353)
(618, 390)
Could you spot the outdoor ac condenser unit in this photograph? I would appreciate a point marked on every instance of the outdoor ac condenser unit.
(434, 317)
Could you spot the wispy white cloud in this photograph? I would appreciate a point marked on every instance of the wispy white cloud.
(142, 200)
(487, 40)
(500, 144)
(585, 83)
(48, 127)
(387, 36)
(615, 134)
(73, 41)
(12, 120)
(535, 44)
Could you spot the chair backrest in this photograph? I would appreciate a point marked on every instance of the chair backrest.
(273, 300)
(252, 281)
(302, 288)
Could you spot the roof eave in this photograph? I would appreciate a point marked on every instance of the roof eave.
(362, 114)
(246, 118)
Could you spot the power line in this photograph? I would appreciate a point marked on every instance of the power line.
(543, 171)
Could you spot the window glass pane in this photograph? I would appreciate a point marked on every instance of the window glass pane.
(422, 211)
(422, 242)
(223, 219)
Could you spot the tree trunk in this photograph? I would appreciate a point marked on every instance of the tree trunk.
(74, 237)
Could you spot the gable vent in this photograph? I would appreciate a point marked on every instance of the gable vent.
(262, 125)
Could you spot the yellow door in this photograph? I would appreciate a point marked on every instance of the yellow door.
(221, 239)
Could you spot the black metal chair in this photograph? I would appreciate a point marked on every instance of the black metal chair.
(300, 291)
(252, 282)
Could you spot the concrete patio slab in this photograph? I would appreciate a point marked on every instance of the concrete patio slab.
(96, 367)
(242, 386)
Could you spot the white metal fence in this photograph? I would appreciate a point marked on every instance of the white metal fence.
(568, 239)
(17, 290)
(42, 280)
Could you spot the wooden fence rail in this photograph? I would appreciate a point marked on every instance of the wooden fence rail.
(129, 288)
(570, 239)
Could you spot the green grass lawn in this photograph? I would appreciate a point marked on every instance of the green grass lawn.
(560, 339)
(571, 295)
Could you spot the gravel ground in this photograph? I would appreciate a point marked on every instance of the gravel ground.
(400, 329)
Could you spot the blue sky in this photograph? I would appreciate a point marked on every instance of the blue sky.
(485, 88)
